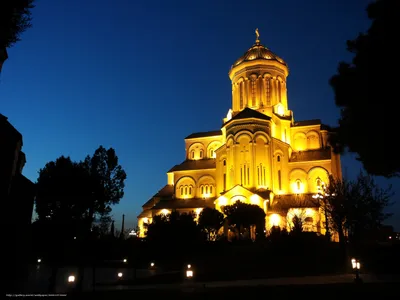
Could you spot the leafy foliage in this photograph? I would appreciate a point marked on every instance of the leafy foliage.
(70, 194)
(210, 221)
(365, 92)
(243, 215)
(15, 18)
(356, 207)
(173, 228)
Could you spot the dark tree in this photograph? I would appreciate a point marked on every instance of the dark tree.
(74, 193)
(366, 92)
(210, 221)
(243, 216)
(173, 228)
(356, 207)
(61, 196)
(107, 182)
(15, 18)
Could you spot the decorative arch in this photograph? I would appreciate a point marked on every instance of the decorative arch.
(212, 146)
(243, 133)
(196, 151)
(238, 198)
(313, 141)
(299, 141)
(267, 75)
(313, 175)
(263, 136)
(206, 186)
(185, 187)
(298, 181)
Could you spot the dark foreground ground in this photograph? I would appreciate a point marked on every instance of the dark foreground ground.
(329, 291)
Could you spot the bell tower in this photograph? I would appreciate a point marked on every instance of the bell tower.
(259, 81)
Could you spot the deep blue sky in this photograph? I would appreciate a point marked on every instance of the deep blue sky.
(139, 76)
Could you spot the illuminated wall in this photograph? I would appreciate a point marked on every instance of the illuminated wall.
(265, 151)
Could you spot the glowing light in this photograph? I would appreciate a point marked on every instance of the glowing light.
(189, 273)
(71, 278)
(189, 266)
(125, 260)
(198, 210)
(275, 219)
(254, 199)
(120, 274)
(165, 212)
(280, 110)
(145, 220)
(39, 260)
(152, 264)
(222, 201)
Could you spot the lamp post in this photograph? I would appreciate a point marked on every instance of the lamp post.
(189, 272)
(356, 265)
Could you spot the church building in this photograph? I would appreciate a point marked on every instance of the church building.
(261, 155)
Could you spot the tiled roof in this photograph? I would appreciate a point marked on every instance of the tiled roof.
(204, 134)
(282, 203)
(310, 155)
(263, 193)
(184, 203)
(145, 214)
(307, 122)
(248, 113)
(258, 52)
(195, 165)
(166, 192)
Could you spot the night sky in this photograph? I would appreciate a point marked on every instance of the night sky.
(139, 76)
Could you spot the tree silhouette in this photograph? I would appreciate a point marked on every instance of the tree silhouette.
(366, 94)
(210, 221)
(70, 194)
(355, 207)
(15, 18)
(173, 228)
(243, 216)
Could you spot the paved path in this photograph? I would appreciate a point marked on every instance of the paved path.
(307, 280)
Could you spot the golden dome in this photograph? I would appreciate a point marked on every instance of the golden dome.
(258, 51)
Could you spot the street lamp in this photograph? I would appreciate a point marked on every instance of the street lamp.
(71, 279)
(189, 272)
(125, 260)
(120, 274)
(356, 265)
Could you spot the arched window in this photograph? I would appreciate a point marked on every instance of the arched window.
(224, 162)
(210, 189)
(181, 190)
(202, 189)
(318, 183)
(190, 190)
(201, 153)
(279, 91)
(298, 185)
(192, 154)
(186, 190)
(278, 158)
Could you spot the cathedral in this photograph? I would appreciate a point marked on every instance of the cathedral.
(261, 155)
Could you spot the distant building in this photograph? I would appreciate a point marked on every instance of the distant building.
(17, 195)
(260, 155)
